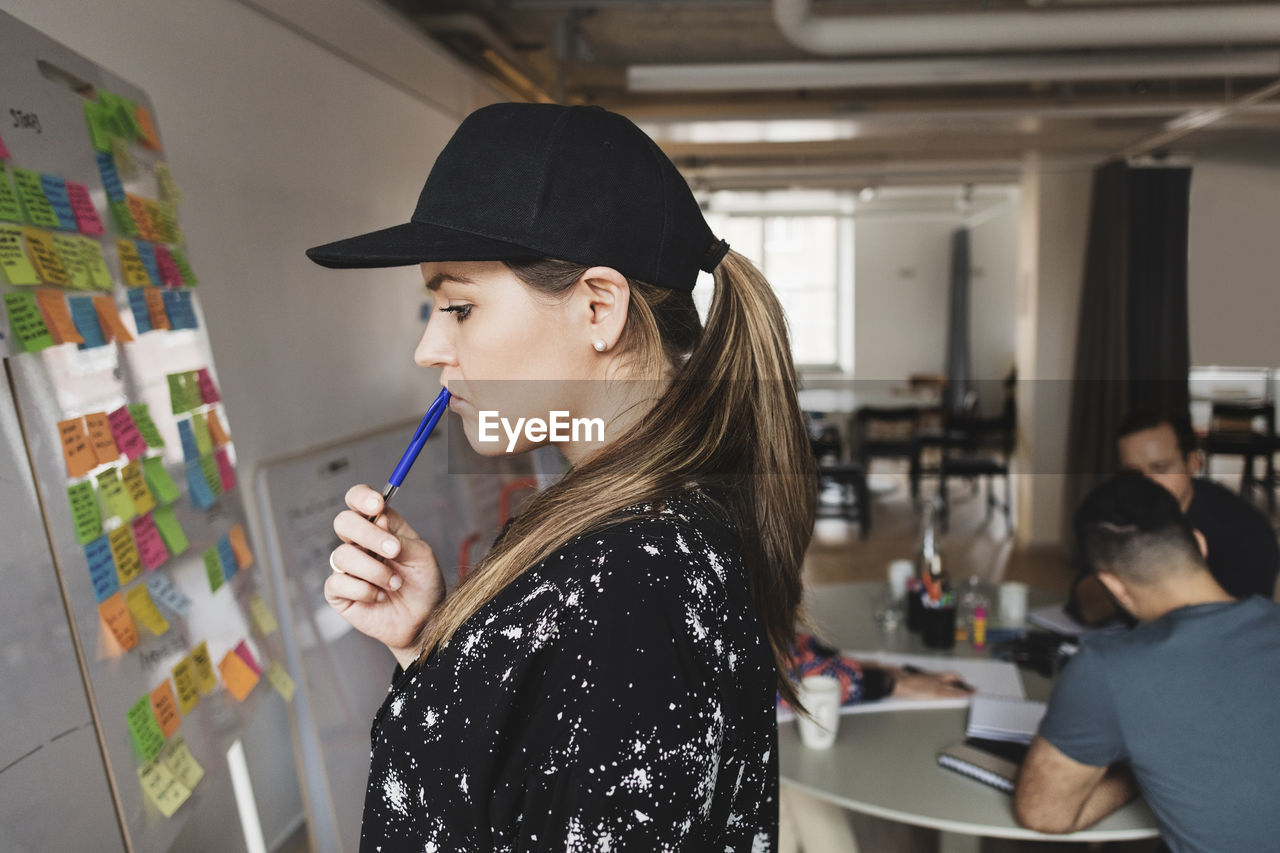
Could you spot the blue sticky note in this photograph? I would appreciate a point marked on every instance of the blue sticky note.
(227, 556)
(85, 317)
(147, 253)
(102, 569)
(55, 189)
(138, 304)
(201, 494)
(110, 177)
(183, 308)
(190, 450)
(167, 593)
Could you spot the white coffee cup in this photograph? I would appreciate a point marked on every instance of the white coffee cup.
(900, 571)
(1012, 598)
(820, 694)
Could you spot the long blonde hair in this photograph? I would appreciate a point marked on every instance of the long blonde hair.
(730, 418)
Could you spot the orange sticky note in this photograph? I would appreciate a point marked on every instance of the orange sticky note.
(75, 448)
(101, 438)
(240, 545)
(109, 319)
(216, 433)
(115, 615)
(237, 675)
(138, 207)
(45, 256)
(149, 137)
(57, 316)
(155, 309)
(165, 706)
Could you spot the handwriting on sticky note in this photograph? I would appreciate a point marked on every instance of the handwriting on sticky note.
(114, 497)
(57, 317)
(170, 530)
(45, 256)
(178, 758)
(188, 274)
(110, 176)
(147, 736)
(151, 549)
(205, 678)
(132, 270)
(86, 215)
(102, 569)
(136, 485)
(85, 514)
(216, 432)
(34, 202)
(76, 450)
(262, 615)
(162, 788)
(17, 267)
(55, 190)
(208, 391)
(10, 207)
(28, 324)
(227, 556)
(155, 308)
(138, 209)
(138, 306)
(158, 480)
(85, 316)
(280, 680)
(213, 568)
(141, 413)
(128, 439)
(165, 706)
(184, 680)
(237, 676)
(71, 254)
(144, 610)
(240, 545)
(200, 431)
(125, 554)
(147, 253)
(101, 438)
(169, 272)
(166, 592)
(114, 613)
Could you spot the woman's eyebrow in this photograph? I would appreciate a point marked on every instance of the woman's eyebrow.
(433, 283)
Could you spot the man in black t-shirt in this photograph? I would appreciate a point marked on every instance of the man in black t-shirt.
(1243, 554)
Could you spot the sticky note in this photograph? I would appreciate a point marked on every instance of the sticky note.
(128, 439)
(262, 615)
(125, 554)
(110, 177)
(240, 546)
(122, 115)
(246, 655)
(197, 486)
(147, 254)
(190, 448)
(136, 486)
(146, 733)
(84, 512)
(150, 138)
(144, 610)
(45, 256)
(184, 681)
(158, 228)
(177, 305)
(109, 317)
(151, 548)
(141, 414)
(208, 391)
(132, 269)
(165, 218)
(101, 439)
(158, 480)
(280, 680)
(170, 530)
(205, 678)
(122, 218)
(102, 569)
(55, 190)
(99, 137)
(227, 557)
(138, 305)
(93, 261)
(10, 207)
(57, 316)
(114, 613)
(155, 308)
(27, 322)
(200, 429)
(213, 569)
(209, 470)
(162, 788)
(126, 163)
(183, 395)
(138, 209)
(167, 593)
(17, 267)
(188, 274)
(216, 432)
(165, 706)
(178, 758)
(85, 315)
(34, 202)
(4, 150)
(84, 213)
(76, 450)
(71, 255)
(169, 272)
(237, 676)
(169, 190)
(226, 471)
(114, 497)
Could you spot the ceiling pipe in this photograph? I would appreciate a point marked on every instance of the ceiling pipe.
(506, 66)
(1032, 29)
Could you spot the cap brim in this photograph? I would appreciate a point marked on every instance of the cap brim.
(413, 243)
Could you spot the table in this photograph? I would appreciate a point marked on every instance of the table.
(885, 764)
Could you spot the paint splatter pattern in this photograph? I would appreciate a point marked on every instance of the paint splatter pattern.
(617, 696)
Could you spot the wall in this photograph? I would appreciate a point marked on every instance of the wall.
(993, 310)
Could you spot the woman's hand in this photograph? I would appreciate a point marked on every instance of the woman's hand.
(928, 685)
(387, 580)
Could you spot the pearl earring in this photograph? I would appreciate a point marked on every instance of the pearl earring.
(599, 345)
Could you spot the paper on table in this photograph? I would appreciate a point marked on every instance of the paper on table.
(165, 706)
(1004, 718)
(27, 323)
(1054, 617)
(184, 679)
(237, 675)
(76, 451)
(101, 438)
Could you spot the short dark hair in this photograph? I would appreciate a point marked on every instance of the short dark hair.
(1131, 526)
(1139, 420)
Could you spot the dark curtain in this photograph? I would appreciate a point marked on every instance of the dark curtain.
(1132, 341)
(959, 371)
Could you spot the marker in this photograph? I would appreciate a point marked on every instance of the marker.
(420, 436)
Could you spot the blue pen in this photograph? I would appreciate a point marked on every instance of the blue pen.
(420, 436)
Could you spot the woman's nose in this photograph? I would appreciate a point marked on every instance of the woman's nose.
(436, 347)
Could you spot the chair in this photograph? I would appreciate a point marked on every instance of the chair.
(979, 448)
(835, 474)
(1232, 433)
(887, 433)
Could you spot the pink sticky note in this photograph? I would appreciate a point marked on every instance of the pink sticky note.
(226, 472)
(242, 650)
(4, 152)
(150, 546)
(168, 268)
(86, 214)
(126, 434)
(208, 391)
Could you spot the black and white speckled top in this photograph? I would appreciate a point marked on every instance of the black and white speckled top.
(617, 696)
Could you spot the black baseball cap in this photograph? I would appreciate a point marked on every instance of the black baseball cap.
(527, 181)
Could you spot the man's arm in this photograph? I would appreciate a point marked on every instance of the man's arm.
(1056, 793)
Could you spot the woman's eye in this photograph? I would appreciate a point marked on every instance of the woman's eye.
(462, 311)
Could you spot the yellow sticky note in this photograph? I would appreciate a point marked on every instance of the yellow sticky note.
(13, 257)
(162, 787)
(237, 676)
(94, 263)
(145, 611)
(165, 706)
(136, 485)
(125, 554)
(115, 615)
(71, 252)
(262, 615)
(45, 256)
(280, 680)
(184, 680)
(205, 678)
(132, 269)
(178, 758)
(169, 190)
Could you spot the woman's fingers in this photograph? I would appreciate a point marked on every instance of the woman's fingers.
(364, 499)
(347, 588)
(355, 529)
(350, 560)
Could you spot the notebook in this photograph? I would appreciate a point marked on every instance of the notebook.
(993, 763)
(1004, 718)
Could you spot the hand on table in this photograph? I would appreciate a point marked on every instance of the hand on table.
(386, 579)
(928, 685)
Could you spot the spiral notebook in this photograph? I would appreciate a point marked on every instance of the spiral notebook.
(993, 763)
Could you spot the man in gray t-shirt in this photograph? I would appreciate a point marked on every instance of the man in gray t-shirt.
(1184, 707)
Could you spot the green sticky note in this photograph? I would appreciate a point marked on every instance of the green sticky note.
(123, 217)
(179, 397)
(142, 419)
(114, 496)
(10, 207)
(209, 468)
(84, 512)
(213, 569)
(99, 136)
(34, 202)
(28, 324)
(95, 263)
(144, 729)
(70, 251)
(17, 266)
(158, 479)
(170, 531)
(200, 426)
(188, 274)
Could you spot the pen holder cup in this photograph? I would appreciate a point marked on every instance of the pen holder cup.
(915, 606)
(938, 627)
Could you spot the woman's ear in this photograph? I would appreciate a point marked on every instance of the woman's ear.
(606, 296)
